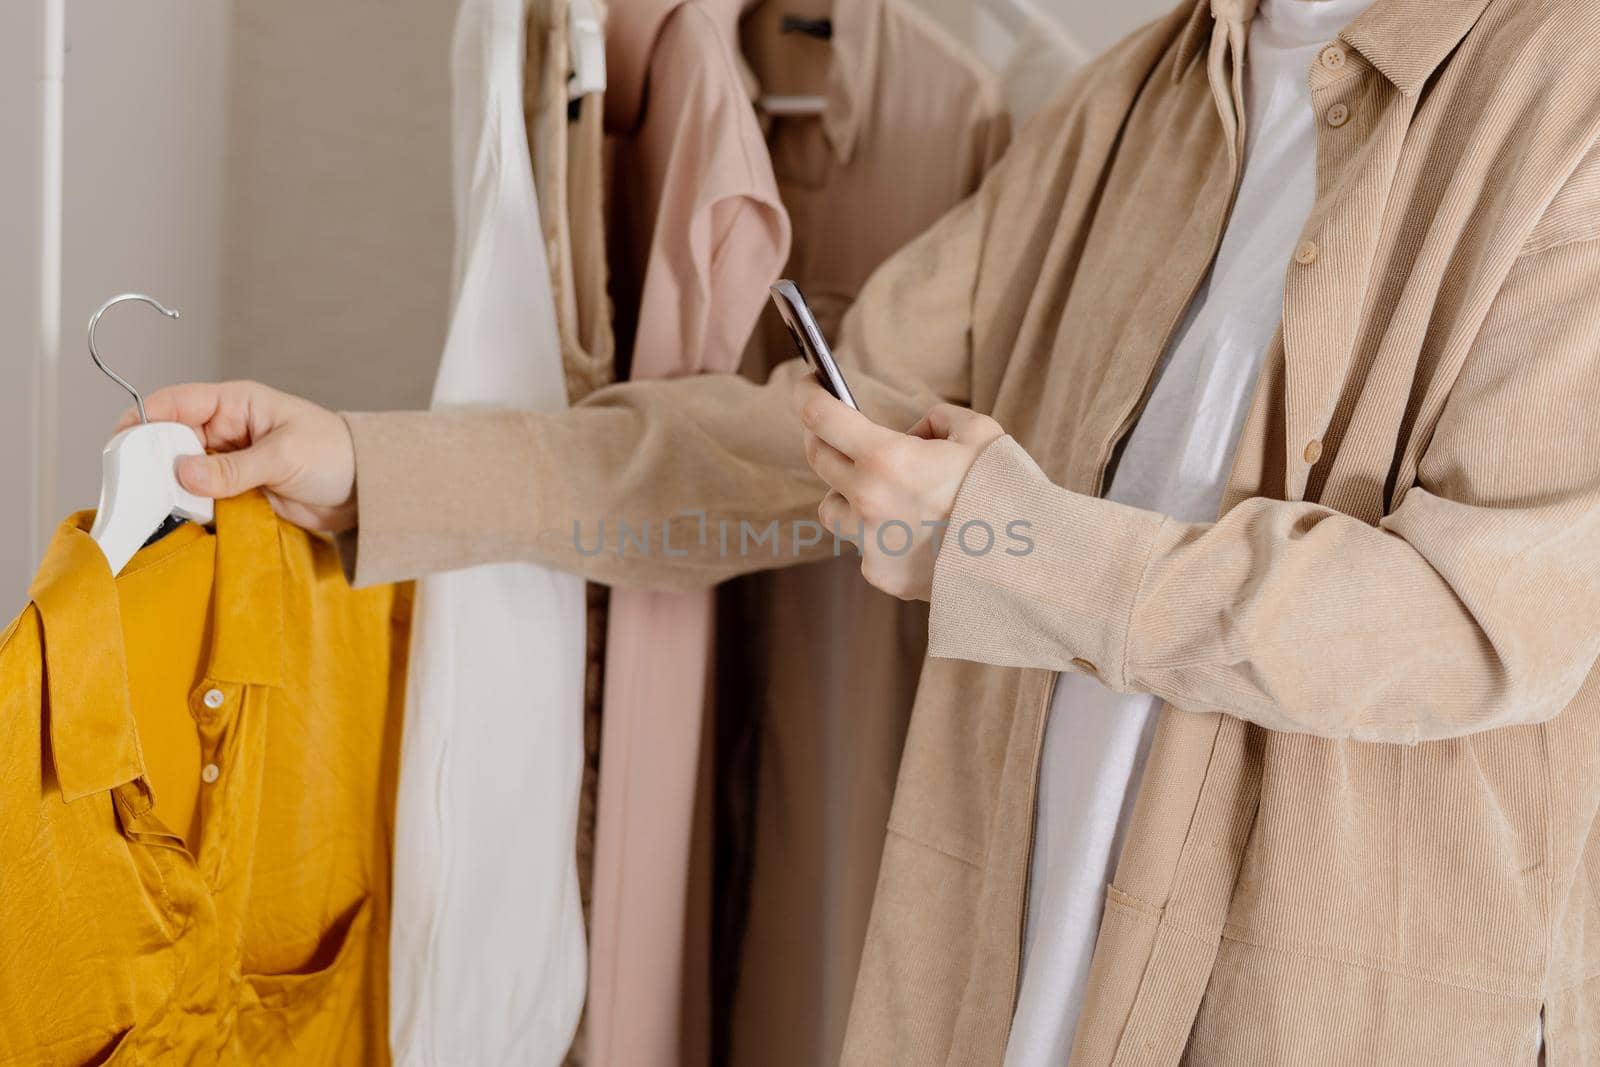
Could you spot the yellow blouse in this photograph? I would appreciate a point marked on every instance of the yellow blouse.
(197, 774)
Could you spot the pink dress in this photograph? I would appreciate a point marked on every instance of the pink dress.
(698, 233)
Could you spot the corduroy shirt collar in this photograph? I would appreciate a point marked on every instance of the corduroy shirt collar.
(1404, 40)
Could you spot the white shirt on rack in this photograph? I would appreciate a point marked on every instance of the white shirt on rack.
(487, 953)
(1176, 461)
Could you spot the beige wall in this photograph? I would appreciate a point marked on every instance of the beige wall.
(20, 30)
(143, 209)
(145, 86)
(1093, 24)
(1097, 25)
(338, 236)
(277, 171)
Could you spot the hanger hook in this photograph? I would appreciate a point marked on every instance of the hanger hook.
(94, 322)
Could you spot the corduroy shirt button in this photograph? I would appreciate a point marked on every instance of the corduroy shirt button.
(1085, 666)
(1307, 253)
(1313, 452)
(1332, 57)
(1338, 115)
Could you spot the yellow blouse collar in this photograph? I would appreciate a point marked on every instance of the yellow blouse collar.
(94, 746)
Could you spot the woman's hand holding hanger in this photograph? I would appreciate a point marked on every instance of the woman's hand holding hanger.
(895, 489)
(297, 451)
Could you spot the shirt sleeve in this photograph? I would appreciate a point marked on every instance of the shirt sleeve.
(442, 490)
(746, 245)
(1471, 606)
(680, 460)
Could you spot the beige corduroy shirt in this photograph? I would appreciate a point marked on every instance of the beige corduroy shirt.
(1365, 830)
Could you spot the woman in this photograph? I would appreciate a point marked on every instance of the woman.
(1254, 451)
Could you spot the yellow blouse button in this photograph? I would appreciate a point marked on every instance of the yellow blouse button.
(210, 773)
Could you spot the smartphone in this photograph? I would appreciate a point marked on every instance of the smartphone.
(808, 339)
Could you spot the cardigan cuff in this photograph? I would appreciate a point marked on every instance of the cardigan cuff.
(430, 491)
(1033, 575)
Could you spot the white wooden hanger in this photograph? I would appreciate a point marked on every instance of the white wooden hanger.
(139, 487)
(586, 39)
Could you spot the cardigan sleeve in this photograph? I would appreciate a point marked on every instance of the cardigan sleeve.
(1471, 606)
(685, 476)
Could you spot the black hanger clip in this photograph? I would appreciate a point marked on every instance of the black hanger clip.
(821, 29)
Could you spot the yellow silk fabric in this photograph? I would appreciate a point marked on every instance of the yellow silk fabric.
(187, 883)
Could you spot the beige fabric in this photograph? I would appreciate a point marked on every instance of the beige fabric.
(597, 599)
(568, 151)
(818, 665)
(1300, 882)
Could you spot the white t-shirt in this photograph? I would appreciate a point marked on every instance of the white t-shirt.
(1175, 462)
